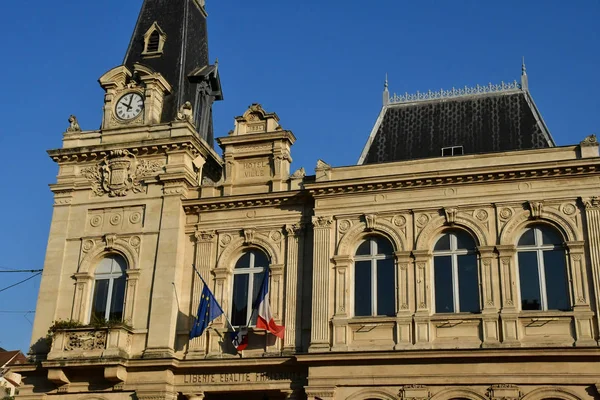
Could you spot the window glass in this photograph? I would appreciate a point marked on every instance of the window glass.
(551, 236)
(100, 299)
(244, 261)
(468, 283)
(364, 249)
(240, 300)
(556, 280)
(528, 238)
(117, 300)
(386, 287)
(443, 243)
(362, 291)
(444, 298)
(384, 246)
(464, 240)
(260, 259)
(530, 281)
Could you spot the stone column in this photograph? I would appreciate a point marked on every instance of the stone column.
(423, 298)
(592, 216)
(319, 340)
(489, 288)
(203, 263)
(509, 312)
(292, 288)
(167, 267)
(133, 275)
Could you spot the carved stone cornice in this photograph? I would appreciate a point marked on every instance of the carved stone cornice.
(275, 199)
(322, 222)
(499, 174)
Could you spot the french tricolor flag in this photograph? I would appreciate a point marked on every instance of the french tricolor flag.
(265, 318)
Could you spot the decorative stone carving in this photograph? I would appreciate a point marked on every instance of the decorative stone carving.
(135, 241)
(536, 208)
(96, 221)
(504, 391)
(110, 241)
(322, 221)
(249, 236)
(115, 219)
(344, 225)
(422, 220)
(399, 220)
(73, 125)
(205, 236)
(414, 392)
(370, 221)
(86, 340)
(119, 173)
(275, 236)
(569, 209)
(185, 113)
(481, 215)
(87, 245)
(505, 213)
(322, 165)
(299, 174)
(590, 140)
(450, 214)
(592, 202)
(135, 218)
(225, 239)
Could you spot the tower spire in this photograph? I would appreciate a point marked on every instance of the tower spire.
(524, 78)
(386, 93)
(170, 38)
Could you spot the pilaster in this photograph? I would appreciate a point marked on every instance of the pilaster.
(204, 257)
(319, 340)
(592, 216)
(509, 311)
(292, 288)
(490, 317)
(423, 309)
(404, 331)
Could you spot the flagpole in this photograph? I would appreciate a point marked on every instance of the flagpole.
(220, 308)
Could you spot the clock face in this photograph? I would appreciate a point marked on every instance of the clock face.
(129, 106)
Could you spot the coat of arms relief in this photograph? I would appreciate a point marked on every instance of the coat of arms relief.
(119, 173)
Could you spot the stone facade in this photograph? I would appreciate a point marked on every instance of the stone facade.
(143, 203)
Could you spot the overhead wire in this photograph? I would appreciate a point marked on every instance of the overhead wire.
(20, 282)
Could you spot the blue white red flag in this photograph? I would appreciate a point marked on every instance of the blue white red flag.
(265, 318)
(240, 339)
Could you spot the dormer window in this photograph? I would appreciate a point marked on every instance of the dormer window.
(452, 151)
(154, 41)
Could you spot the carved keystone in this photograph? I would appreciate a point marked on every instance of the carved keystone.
(536, 208)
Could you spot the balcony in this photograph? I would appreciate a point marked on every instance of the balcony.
(91, 342)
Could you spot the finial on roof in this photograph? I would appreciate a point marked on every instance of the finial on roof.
(386, 93)
(524, 79)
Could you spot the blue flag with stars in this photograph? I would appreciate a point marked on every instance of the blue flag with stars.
(208, 309)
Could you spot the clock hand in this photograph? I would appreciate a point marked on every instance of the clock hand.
(130, 101)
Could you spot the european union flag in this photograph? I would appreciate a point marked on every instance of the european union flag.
(208, 309)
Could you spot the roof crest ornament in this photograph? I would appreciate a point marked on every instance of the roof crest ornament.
(447, 94)
(524, 78)
(386, 93)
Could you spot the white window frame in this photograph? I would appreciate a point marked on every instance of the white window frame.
(251, 270)
(539, 249)
(454, 252)
(373, 257)
(462, 151)
(111, 277)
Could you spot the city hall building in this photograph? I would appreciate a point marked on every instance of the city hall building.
(459, 259)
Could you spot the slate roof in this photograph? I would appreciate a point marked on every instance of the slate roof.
(482, 119)
(185, 51)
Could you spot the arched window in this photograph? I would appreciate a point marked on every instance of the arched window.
(542, 269)
(247, 278)
(455, 273)
(109, 289)
(374, 277)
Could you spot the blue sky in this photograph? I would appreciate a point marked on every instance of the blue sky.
(319, 65)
